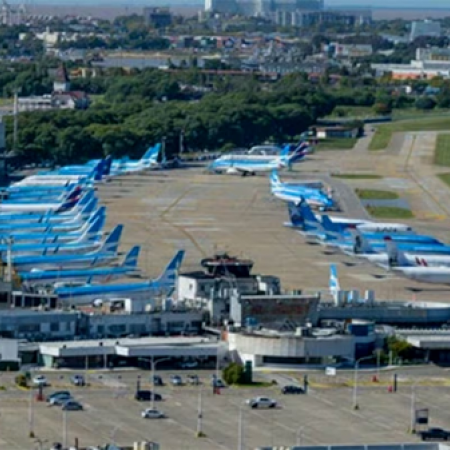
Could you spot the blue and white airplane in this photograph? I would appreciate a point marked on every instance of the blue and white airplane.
(149, 160)
(163, 285)
(43, 238)
(97, 275)
(68, 203)
(82, 214)
(89, 241)
(296, 193)
(104, 255)
(251, 164)
(6, 228)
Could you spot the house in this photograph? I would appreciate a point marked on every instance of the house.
(336, 132)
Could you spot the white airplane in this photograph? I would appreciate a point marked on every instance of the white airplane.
(70, 201)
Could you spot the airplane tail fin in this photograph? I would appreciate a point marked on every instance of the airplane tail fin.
(107, 165)
(131, 258)
(274, 179)
(148, 154)
(88, 208)
(86, 198)
(295, 215)
(360, 243)
(71, 200)
(92, 232)
(334, 281)
(329, 225)
(153, 158)
(396, 258)
(111, 243)
(306, 212)
(168, 277)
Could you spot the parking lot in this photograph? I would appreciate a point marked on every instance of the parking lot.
(324, 416)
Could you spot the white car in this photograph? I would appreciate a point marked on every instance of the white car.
(152, 414)
(261, 402)
(40, 380)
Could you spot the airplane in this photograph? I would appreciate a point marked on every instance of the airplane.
(298, 193)
(99, 274)
(334, 285)
(68, 203)
(43, 238)
(400, 264)
(103, 255)
(88, 241)
(361, 246)
(163, 285)
(43, 227)
(121, 166)
(250, 165)
(50, 217)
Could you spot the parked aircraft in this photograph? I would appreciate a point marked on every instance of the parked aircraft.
(105, 254)
(61, 236)
(298, 193)
(100, 274)
(87, 242)
(69, 202)
(251, 164)
(163, 285)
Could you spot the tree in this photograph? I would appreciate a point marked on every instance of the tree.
(382, 109)
(425, 103)
(233, 374)
(400, 348)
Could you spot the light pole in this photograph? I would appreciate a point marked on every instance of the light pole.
(200, 413)
(413, 409)
(355, 381)
(64, 428)
(153, 364)
(241, 428)
(31, 415)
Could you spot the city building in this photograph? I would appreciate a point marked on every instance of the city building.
(433, 54)
(157, 17)
(131, 352)
(223, 277)
(61, 97)
(317, 16)
(425, 28)
(9, 354)
(34, 325)
(261, 8)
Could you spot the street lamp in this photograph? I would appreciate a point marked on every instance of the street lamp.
(355, 381)
(413, 409)
(241, 428)
(153, 364)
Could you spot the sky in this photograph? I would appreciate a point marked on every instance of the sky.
(390, 4)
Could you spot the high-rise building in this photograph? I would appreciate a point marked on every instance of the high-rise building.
(425, 28)
(262, 8)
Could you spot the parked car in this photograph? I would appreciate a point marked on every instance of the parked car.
(292, 390)
(59, 400)
(261, 402)
(176, 380)
(146, 396)
(158, 381)
(57, 394)
(72, 405)
(40, 380)
(152, 414)
(193, 379)
(434, 434)
(189, 364)
(78, 380)
(218, 383)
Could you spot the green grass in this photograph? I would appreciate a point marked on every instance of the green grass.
(374, 194)
(442, 150)
(96, 98)
(336, 144)
(357, 176)
(364, 112)
(384, 132)
(445, 177)
(390, 212)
